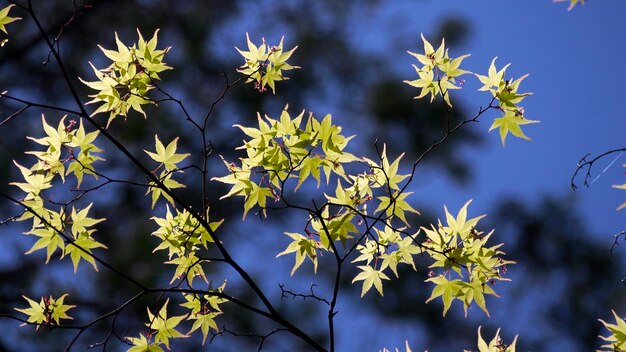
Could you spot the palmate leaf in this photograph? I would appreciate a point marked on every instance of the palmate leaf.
(338, 227)
(438, 73)
(36, 312)
(492, 81)
(204, 322)
(48, 311)
(460, 225)
(35, 181)
(303, 247)
(430, 58)
(203, 312)
(343, 196)
(142, 344)
(368, 251)
(123, 85)
(495, 345)
(404, 254)
(182, 233)
(239, 177)
(55, 137)
(448, 290)
(80, 220)
(370, 277)
(167, 155)
(617, 339)
(386, 174)
(508, 94)
(265, 64)
(510, 122)
(504, 90)
(157, 192)
(165, 327)
(47, 229)
(309, 166)
(84, 159)
(258, 196)
(187, 264)
(4, 20)
(396, 206)
(462, 248)
(475, 292)
(86, 244)
(122, 56)
(49, 239)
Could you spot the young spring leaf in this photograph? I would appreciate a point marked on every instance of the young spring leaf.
(462, 248)
(4, 20)
(203, 311)
(370, 277)
(86, 244)
(124, 84)
(142, 344)
(617, 339)
(265, 64)
(35, 181)
(448, 290)
(396, 206)
(496, 344)
(439, 72)
(168, 183)
(167, 155)
(165, 327)
(303, 247)
(48, 311)
(510, 122)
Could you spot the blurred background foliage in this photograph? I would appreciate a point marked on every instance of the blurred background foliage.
(564, 280)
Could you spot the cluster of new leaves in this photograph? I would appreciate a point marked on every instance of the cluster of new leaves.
(183, 236)
(202, 310)
(439, 72)
(124, 84)
(288, 147)
(391, 245)
(389, 250)
(572, 3)
(617, 339)
(459, 249)
(276, 151)
(69, 150)
(265, 64)
(4, 20)
(505, 91)
(47, 312)
(282, 148)
(622, 186)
